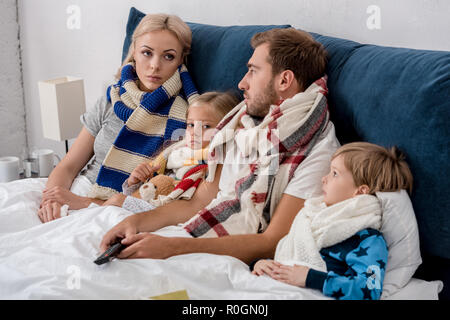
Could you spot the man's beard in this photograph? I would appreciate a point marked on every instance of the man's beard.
(260, 105)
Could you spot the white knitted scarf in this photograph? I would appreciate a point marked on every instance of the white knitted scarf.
(317, 226)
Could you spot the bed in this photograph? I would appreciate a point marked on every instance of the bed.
(55, 260)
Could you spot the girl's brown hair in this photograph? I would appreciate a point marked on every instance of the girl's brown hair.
(379, 168)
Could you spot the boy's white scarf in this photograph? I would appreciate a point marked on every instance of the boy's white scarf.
(317, 226)
(279, 143)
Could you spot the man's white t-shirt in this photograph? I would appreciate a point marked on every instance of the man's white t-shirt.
(307, 180)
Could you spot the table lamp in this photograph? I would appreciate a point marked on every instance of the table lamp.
(62, 102)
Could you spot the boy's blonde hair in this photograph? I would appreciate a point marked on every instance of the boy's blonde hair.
(379, 168)
(157, 22)
(222, 102)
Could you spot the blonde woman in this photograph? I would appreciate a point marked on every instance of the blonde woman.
(131, 121)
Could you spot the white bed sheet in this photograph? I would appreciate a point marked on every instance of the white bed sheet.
(55, 260)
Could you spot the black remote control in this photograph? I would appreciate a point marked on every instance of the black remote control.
(110, 253)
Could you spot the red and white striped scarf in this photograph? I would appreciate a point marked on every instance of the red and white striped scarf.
(185, 189)
(282, 140)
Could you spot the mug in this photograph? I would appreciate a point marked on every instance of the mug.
(45, 159)
(9, 169)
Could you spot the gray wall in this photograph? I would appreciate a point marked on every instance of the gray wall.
(88, 43)
(12, 109)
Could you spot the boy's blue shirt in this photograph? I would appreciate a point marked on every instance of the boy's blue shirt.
(356, 268)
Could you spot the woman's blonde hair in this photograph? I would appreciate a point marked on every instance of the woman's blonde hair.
(156, 22)
(379, 168)
(222, 102)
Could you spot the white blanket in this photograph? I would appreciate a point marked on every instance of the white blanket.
(55, 260)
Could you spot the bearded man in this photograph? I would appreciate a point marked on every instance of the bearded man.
(268, 155)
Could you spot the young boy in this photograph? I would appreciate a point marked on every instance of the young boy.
(334, 244)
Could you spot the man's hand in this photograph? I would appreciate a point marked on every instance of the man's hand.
(171, 214)
(141, 173)
(146, 245)
(123, 230)
(294, 275)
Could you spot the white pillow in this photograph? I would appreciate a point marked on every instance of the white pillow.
(399, 229)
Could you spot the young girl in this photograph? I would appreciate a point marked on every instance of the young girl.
(202, 117)
(334, 244)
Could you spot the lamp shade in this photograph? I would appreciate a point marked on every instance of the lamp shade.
(62, 102)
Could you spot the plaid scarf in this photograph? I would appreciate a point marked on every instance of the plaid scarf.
(150, 119)
(281, 141)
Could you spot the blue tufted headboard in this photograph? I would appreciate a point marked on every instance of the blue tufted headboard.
(388, 96)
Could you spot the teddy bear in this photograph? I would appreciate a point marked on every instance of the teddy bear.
(152, 188)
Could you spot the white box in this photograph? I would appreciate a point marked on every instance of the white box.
(62, 102)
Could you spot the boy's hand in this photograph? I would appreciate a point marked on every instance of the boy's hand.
(265, 266)
(142, 172)
(294, 275)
